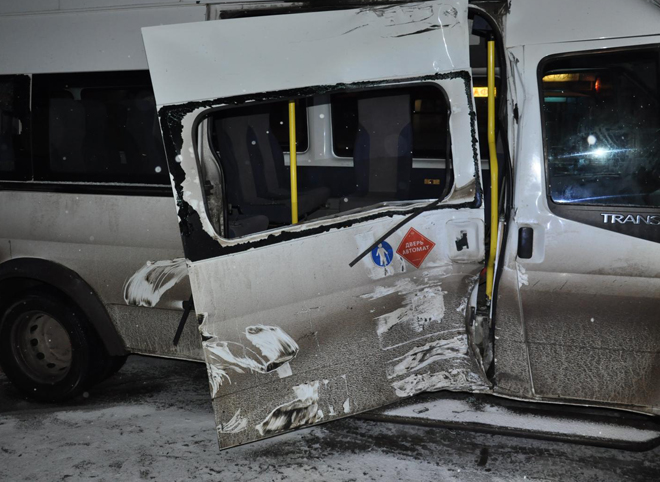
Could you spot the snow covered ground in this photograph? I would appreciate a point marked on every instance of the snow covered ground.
(153, 421)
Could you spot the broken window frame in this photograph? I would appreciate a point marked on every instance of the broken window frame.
(407, 206)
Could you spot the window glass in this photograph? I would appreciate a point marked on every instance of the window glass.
(602, 120)
(14, 126)
(99, 128)
(428, 113)
(257, 180)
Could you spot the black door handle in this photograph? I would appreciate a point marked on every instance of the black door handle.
(525, 242)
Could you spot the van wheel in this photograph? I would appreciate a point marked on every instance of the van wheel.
(47, 348)
(113, 365)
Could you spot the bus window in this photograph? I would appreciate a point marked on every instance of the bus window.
(97, 128)
(14, 126)
(383, 126)
(428, 112)
(601, 120)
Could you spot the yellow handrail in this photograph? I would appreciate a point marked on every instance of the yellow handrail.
(494, 172)
(293, 162)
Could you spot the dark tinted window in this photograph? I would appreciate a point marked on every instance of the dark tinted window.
(14, 126)
(602, 121)
(98, 128)
(429, 119)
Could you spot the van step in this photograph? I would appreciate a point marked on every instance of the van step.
(494, 415)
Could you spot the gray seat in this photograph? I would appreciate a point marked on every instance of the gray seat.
(256, 177)
(382, 155)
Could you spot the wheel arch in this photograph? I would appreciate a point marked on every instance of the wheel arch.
(19, 274)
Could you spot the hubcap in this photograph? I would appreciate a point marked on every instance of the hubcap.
(43, 347)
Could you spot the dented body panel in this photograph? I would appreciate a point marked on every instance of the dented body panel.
(292, 334)
(362, 337)
(299, 324)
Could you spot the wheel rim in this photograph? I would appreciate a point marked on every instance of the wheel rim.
(42, 347)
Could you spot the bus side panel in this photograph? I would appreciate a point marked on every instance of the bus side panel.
(107, 239)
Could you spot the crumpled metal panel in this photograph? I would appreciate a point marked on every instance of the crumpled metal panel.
(292, 335)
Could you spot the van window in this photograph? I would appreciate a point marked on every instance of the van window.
(428, 113)
(257, 180)
(601, 119)
(14, 126)
(99, 127)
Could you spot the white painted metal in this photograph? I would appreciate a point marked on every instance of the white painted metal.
(595, 266)
(292, 51)
(99, 40)
(21, 7)
(347, 333)
(532, 22)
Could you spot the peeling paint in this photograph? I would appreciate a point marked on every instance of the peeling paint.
(216, 375)
(284, 371)
(235, 425)
(151, 281)
(422, 356)
(274, 344)
(458, 380)
(419, 310)
(523, 279)
(304, 410)
(347, 406)
(276, 347)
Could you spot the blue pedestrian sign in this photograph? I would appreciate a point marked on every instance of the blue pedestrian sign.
(382, 254)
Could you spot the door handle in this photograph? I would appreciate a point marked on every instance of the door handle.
(525, 242)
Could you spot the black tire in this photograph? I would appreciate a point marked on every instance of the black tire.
(47, 348)
(113, 366)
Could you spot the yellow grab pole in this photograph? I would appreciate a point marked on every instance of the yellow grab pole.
(494, 172)
(293, 163)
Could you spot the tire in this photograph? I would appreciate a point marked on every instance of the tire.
(114, 364)
(48, 350)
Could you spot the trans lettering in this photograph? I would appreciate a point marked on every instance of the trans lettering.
(630, 219)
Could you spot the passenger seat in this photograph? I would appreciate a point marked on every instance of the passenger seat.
(251, 162)
(382, 155)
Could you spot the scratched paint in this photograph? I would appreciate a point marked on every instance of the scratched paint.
(457, 380)
(239, 286)
(276, 347)
(151, 281)
(423, 303)
(304, 410)
(523, 279)
(347, 406)
(236, 424)
(421, 357)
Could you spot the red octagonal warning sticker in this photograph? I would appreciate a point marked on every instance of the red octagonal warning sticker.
(415, 247)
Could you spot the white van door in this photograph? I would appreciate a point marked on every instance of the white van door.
(583, 242)
(338, 314)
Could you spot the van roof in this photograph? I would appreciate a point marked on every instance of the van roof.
(19, 7)
(542, 21)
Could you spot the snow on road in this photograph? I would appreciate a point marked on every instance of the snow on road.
(153, 421)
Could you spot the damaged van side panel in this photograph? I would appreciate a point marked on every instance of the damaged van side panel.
(331, 341)
(293, 331)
